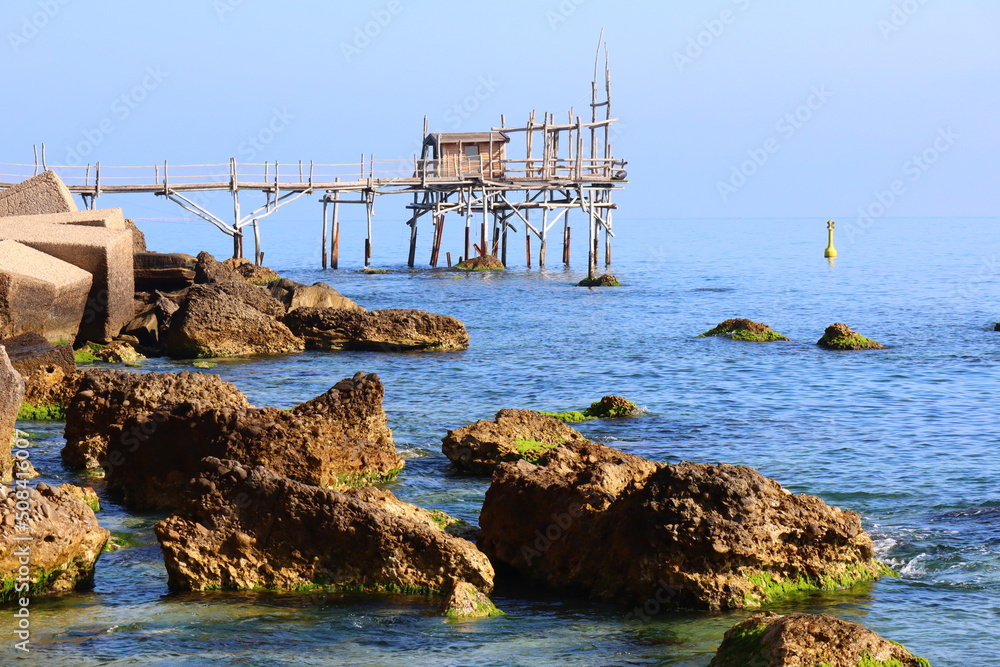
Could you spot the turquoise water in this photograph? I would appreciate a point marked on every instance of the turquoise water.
(906, 436)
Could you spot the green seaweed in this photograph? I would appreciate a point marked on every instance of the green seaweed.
(374, 272)
(851, 343)
(771, 589)
(532, 450)
(120, 540)
(39, 584)
(745, 335)
(740, 646)
(599, 281)
(868, 661)
(42, 413)
(483, 610)
(571, 417)
(86, 354)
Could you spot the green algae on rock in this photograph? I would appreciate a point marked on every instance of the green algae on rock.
(795, 640)
(609, 407)
(465, 601)
(483, 263)
(840, 337)
(740, 328)
(604, 280)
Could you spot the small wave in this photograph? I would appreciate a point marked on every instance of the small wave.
(916, 567)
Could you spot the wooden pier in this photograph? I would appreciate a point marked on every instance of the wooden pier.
(564, 166)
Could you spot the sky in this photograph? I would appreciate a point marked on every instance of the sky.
(728, 108)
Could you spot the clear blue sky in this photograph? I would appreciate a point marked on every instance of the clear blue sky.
(832, 99)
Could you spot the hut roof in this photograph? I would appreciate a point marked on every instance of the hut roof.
(466, 138)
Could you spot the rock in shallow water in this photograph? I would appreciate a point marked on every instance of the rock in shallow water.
(620, 528)
(66, 539)
(512, 436)
(243, 527)
(394, 330)
(741, 328)
(337, 439)
(807, 640)
(107, 399)
(840, 337)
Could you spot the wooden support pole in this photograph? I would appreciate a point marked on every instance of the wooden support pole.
(258, 254)
(369, 204)
(438, 236)
(543, 238)
(527, 247)
(482, 231)
(335, 247)
(591, 242)
(325, 227)
(566, 246)
(448, 257)
(468, 225)
(503, 243)
(413, 231)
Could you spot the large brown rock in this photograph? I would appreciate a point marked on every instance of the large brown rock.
(44, 193)
(397, 330)
(138, 238)
(49, 373)
(40, 293)
(244, 527)
(104, 253)
(66, 540)
(591, 518)
(227, 320)
(11, 395)
(250, 272)
(338, 439)
(513, 435)
(807, 640)
(481, 263)
(318, 295)
(162, 271)
(106, 399)
(210, 270)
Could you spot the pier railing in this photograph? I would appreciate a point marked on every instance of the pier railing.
(310, 175)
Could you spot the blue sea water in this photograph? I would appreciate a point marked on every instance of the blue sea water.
(907, 436)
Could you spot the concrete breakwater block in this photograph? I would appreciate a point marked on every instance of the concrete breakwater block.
(11, 395)
(108, 218)
(104, 253)
(40, 293)
(44, 193)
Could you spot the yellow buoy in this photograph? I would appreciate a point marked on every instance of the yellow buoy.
(830, 250)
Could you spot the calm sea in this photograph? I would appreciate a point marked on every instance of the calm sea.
(908, 436)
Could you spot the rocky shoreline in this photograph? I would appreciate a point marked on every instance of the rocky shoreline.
(261, 498)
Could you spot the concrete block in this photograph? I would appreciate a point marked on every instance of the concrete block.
(104, 253)
(108, 218)
(44, 193)
(11, 395)
(40, 293)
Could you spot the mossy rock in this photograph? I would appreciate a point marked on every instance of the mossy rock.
(354, 479)
(609, 407)
(374, 272)
(604, 280)
(740, 328)
(997, 327)
(771, 640)
(840, 337)
(483, 263)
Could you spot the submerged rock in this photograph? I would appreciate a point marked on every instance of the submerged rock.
(66, 540)
(805, 640)
(624, 529)
(466, 601)
(243, 528)
(482, 263)
(107, 399)
(840, 337)
(118, 352)
(338, 439)
(396, 330)
(603, 280)
(741, 328)
(512, 436)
